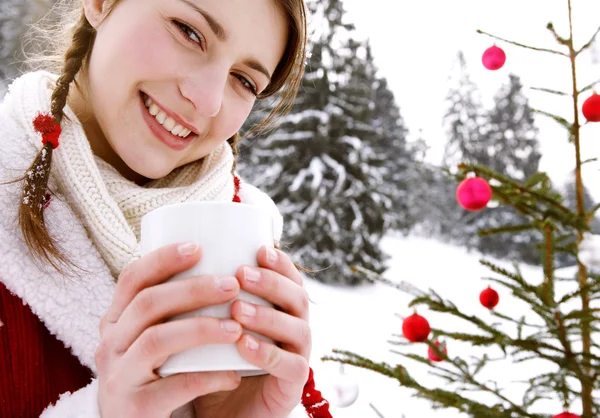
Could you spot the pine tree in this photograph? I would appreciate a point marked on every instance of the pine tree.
(320, 164)
(560, 327)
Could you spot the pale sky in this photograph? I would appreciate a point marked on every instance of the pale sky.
(415, 43)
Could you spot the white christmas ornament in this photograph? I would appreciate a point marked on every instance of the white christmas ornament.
(344, 390)
(589, 251)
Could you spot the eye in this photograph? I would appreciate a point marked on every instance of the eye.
(190, 34)
(247, 84)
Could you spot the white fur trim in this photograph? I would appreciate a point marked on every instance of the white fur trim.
(80, 404)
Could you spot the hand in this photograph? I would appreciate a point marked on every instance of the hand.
(276, 394)
(135, 340)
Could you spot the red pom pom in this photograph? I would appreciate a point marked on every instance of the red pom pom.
(45, 124)
(415, 328)
(591, 108)
(489, 298)
(566, 415)
(493, 58)
(433, 356)
(237, 199)
(473, 193)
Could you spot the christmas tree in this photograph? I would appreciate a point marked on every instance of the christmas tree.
(556, 330)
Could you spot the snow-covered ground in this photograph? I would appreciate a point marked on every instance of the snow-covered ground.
(363, 319)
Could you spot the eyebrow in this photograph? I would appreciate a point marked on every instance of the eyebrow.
(221, 34)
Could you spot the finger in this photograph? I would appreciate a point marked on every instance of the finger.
(282, 364)
(170, 393)
(275, 288)
(157, 303)
(159, 342)
(280, 262)
(293, 332)
(156, 267)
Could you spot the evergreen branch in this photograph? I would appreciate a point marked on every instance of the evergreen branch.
(559, 39)
(559, 119)
(589, 43)
(505, 229)
(588, 87)
(558, 93)
(520, 322)
(522, 45)
(589, 160)
(589, 287)
(376, 278)
(440, 305)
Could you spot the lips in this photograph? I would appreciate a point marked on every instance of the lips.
(174, 135)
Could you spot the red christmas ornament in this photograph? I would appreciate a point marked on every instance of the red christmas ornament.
(45, 124)
(473, 193)
(489, 298)
(591, 108)
(493, 58)
(566, 415)
(432, 355)
(415, 328)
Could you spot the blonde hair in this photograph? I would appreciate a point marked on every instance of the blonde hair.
(61, 43)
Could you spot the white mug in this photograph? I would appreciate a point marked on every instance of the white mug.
(229, 234)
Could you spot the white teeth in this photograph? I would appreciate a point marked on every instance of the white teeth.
(153, 110)
(177, 130)
(161, 117)
(167, 122)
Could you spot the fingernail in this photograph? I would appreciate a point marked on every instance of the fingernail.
(251, 274)
(226, 283)
(251, 343)
(187, 249)
(271, 255)
(230, 325)
(248, 309)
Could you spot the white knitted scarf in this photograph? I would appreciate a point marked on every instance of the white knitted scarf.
(111, 207)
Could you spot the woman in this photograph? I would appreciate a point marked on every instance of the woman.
(144, 112)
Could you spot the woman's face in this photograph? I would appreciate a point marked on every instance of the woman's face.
(170, 80)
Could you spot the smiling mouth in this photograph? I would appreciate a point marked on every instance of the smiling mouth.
(164, 120)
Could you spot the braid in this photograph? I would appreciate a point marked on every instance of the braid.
(233, 142)
(31, 209)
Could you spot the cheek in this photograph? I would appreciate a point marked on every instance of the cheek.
(153, 54)
(129, 52)
(232, 120)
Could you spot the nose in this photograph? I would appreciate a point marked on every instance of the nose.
(205, 90)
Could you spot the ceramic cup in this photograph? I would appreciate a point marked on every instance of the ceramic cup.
(229, 234)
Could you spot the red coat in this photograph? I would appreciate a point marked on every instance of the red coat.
(36, 367)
